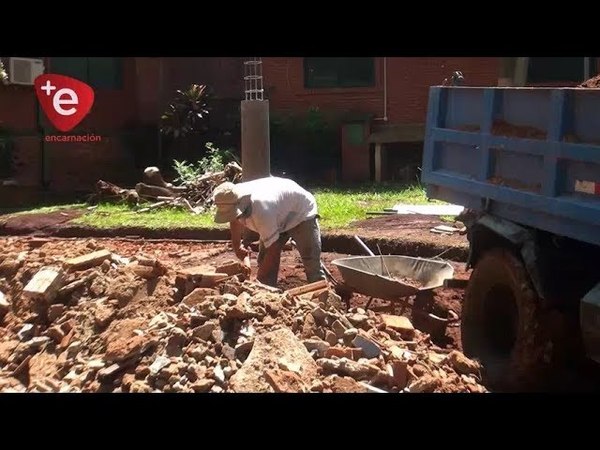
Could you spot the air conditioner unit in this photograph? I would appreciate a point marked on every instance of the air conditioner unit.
(24, 70)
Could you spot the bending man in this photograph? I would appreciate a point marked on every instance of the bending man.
(277, 209)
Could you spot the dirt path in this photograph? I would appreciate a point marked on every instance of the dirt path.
(400, 234)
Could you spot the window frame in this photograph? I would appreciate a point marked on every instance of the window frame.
(115, 85)
(593, 62)
(339, 84)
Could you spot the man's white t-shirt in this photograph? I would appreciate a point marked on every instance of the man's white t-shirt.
(278, 205)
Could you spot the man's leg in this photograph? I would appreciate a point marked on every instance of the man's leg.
(268, 263)
(307, 236)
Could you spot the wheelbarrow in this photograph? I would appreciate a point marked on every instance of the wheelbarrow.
(388, 277)
(383, 276)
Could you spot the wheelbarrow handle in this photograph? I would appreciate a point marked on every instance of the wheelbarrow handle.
(364, 246)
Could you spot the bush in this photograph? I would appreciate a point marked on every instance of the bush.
(300, 143)
(3, 74)
(214, 161)
(187, 113)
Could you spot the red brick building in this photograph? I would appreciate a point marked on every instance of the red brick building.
(383, 101)
(130, 96)
(381, 105)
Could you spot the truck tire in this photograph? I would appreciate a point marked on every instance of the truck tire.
(501, 324)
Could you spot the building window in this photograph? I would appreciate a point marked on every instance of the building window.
(544, 70)
(339, 72)
(100, 73)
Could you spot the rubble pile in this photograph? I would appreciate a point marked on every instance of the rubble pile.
(86, 319)
(195, 195)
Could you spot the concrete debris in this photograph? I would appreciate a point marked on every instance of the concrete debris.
(44, 285)
(144, 322)
(26, 332)
(4, 305)
(370, 349)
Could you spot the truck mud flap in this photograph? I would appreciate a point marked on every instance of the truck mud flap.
(521, 238)
(590, 323)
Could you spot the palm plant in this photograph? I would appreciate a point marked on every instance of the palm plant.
(187, 113)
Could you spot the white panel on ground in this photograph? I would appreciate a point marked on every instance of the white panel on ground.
(429, 210)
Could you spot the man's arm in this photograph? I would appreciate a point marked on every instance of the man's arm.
(236, 229)
(268, 267)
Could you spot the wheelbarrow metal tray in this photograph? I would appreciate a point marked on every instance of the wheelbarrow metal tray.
(368, 275)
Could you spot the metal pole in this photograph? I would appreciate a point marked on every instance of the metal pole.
(364, 246)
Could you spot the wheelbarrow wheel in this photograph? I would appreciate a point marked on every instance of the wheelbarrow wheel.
(504, 324)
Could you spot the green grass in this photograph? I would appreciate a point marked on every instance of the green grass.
(112, 216)
(338, 207)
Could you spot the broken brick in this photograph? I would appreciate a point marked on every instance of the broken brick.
(9, 267)
(425, 384)
(197, 296)
(205, 331)
(316, 344)
(345, 385)
(462, 364)
(202, 386)
(55, 311)
(399, 323)
(44, 285)
(343, 352)
(109, 373)
(338, 328)
(400, 374)
(331, 338)
(147, 272)
(233, 268)
(86, 261)
(103, 315)
(285, 381)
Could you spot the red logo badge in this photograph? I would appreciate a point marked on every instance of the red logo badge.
(65, 100)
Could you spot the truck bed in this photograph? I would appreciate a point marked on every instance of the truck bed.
(529, 155)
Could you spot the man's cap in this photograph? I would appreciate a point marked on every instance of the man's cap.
(230, 202)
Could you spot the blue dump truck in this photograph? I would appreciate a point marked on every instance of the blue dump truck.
(525, 164)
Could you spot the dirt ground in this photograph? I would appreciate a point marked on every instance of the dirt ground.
(410, 227)
(400, 234)
(37, 223)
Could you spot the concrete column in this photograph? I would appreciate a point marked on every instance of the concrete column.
(586, 69)
(507, 72)
(521, 68)
(256, 162)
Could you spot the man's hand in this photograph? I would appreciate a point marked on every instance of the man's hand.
(241, 252)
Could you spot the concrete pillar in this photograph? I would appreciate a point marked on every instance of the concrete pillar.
(256, 162)
(586, 69)
(507, 72)
(521, 68)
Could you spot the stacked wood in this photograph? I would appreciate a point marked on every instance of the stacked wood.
(194, 196)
